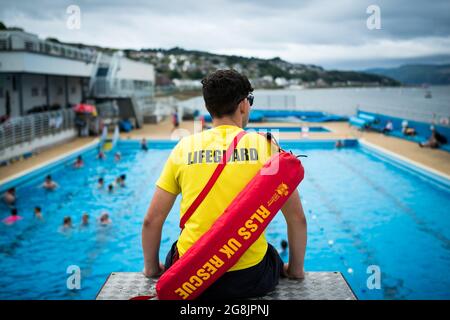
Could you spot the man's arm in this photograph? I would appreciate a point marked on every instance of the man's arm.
(296, 224)
(157, 213)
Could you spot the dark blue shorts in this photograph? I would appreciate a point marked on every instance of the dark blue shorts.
(252, 282)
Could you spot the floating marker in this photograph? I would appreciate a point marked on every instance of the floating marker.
(350, 270)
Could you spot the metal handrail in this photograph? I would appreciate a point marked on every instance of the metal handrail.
(19, 130)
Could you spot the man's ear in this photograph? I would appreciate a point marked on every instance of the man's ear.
(242, 106)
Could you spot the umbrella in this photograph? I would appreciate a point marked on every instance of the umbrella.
(84, 108)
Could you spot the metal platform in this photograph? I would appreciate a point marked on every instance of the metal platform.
(315, 286)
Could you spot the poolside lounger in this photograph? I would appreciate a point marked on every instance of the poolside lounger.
(358, 122)
(368, 118)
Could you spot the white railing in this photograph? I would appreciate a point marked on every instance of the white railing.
(104, 87)
(20, 41)
(19, 130)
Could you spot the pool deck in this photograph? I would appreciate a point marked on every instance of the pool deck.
(436, 160)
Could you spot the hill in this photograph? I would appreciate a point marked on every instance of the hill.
(417, 74)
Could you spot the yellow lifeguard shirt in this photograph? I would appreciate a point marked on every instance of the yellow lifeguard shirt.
(191, 164)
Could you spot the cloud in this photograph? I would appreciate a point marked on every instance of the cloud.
(299, 31)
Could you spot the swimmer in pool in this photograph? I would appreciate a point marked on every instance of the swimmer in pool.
(117, 156)
(339, 144)
(85, 220)
(100, 183)
(105, 220)
(144, 144)
(120, 180)
(110, 188)
(101, 155)
(9, 197)
(38, 213)
(67, 223)
(13, 218)
(79, 162)
(49, 184)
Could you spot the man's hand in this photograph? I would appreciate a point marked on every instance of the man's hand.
(297, 236)
(154, 272)
(291, 273)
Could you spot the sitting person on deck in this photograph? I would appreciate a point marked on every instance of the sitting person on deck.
(188, 168)
(406, 130)
(388, 127)
(435, 140)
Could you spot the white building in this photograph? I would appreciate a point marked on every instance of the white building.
(38, 77)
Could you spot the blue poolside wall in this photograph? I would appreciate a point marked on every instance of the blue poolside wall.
(258, 115)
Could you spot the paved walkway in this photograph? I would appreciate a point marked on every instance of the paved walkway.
(43, 156)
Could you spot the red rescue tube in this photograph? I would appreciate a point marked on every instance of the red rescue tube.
(227, 240)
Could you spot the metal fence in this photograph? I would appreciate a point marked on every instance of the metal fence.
(25, 129)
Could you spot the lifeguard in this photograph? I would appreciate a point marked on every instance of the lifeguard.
(256, 272)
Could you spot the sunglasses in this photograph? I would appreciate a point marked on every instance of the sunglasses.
(250, 99)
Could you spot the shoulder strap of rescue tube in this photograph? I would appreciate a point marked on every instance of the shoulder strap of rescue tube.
(212, 180)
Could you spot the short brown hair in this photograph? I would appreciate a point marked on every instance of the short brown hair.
(223, 90)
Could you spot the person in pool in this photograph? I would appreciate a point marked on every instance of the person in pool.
(38, 213)
(79, 162)
(85, 220)
(67, 223)
(117, 156)
(228, 98)
(49, 184)
(105, 220)
(339, 144)
(120, 180)
(144, 144)
(110, 188)
(9, 197)
(13, 218)
(100, 183)
(101, 155)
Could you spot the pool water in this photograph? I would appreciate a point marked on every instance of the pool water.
(361, 210)
(286, 129)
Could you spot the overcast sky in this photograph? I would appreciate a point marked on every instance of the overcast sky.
(329, 33)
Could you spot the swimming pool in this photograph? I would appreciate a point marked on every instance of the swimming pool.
(287, 128)
(362, 208)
